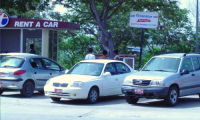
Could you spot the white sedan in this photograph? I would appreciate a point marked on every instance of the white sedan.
(89, 79)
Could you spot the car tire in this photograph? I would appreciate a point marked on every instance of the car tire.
(93, 96)
(1, 91)
(55, 99)
(131, 99)
(172, 97)
(27, 90)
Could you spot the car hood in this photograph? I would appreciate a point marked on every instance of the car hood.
(68, 78)
(151, 75)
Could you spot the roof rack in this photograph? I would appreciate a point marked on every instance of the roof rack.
(190, 53)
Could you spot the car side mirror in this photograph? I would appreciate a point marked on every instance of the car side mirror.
(185, 72)
(106, 74)
(66, 71)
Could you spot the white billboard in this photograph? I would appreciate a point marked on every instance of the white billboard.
(144, 19)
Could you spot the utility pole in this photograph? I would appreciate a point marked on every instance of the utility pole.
(197, 30)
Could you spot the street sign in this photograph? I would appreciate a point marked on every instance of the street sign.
(144, 19)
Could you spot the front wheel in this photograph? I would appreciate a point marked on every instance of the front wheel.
(131, 99)
(92, 96)
(27, 90)
(172, 97)
(1, 91)
(55, 99)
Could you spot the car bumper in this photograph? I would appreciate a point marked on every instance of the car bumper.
(68, 93)
(11, 83)
(148, 92)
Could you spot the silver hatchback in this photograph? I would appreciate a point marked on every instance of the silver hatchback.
(27, 72)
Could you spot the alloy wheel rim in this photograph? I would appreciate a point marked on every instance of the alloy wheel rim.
(93, 96)
(173, 96)
(28, 89)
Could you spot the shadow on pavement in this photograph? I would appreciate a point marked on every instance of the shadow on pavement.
(16, 94)
(101, 102)
(184, 102)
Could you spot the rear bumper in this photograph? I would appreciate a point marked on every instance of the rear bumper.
(148, 92)
(15, 84)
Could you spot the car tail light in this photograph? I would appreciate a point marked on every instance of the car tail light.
(19, 72)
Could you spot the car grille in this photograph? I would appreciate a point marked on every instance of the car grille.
(60, 84)
(141, 82)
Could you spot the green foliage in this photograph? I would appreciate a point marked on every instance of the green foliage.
(14, 7)
(73, 47)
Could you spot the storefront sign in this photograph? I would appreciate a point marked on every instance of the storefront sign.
(4, 19)
(36, 25)
(144, 19)
(33, 23)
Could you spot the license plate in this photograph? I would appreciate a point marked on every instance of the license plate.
(2, 74)
(58, 91)
(139, 91)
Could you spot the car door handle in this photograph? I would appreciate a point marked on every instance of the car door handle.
(35, 72)
(193, 75)
(50, 73)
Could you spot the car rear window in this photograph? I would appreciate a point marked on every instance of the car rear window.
(11, 62)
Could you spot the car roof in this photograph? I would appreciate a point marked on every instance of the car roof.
(177, 55)
(22, 55)
(101, 61)
(16, 54)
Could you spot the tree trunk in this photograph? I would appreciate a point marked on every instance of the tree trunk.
(110, 47)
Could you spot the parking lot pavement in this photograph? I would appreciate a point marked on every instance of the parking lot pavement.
(39, 107)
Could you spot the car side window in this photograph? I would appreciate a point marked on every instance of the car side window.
(110, 68)
(186, 65)
(36, 63)
(122, 68)
(50, 64)
(199, 60)
(196, 63)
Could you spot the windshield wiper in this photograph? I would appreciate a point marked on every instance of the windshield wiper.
(9, 66)
(146, 70)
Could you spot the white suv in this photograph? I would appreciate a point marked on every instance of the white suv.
(167, 77)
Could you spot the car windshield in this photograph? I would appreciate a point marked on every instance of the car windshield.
(162, 64)
(11, 62)
(87, 68)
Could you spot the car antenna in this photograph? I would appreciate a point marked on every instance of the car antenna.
(184, 54)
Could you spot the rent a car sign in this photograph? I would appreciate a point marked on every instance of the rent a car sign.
(144, 19)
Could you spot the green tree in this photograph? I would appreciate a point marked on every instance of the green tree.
(108, 20)
(73, 47)
(176, 31)
(21, 6)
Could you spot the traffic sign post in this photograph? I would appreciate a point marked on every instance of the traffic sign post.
(143, 20)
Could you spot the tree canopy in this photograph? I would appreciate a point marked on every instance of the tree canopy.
(108, 21)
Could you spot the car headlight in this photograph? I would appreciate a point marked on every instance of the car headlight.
(158, 82)
(128, 81)
(47, 83)
(77, 84)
